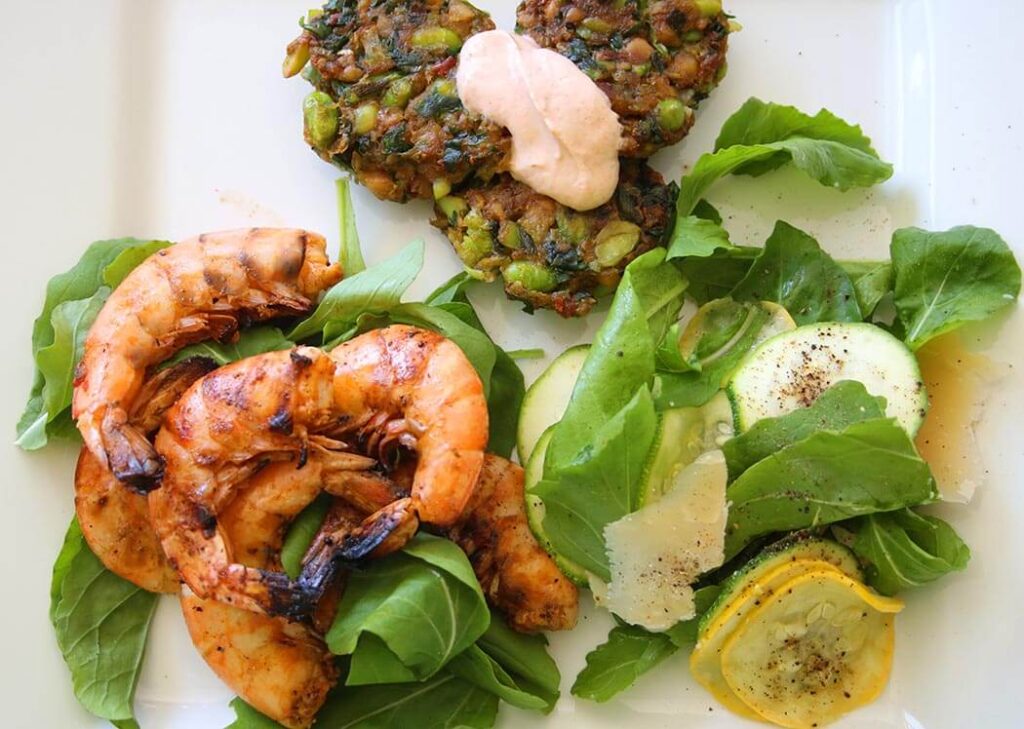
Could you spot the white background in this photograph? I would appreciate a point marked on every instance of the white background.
(168, 118)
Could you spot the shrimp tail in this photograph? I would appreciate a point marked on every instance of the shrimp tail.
(380, 534)
(130, 455)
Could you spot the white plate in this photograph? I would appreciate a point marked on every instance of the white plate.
(167, 118)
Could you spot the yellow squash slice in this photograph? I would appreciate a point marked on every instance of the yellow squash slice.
(819, 647)
(706, 658)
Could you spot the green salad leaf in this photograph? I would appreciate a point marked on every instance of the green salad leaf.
(904, 549)
(622, 356)
(732, 329)
(795, 272)
(475, 666)
(101, 622)
(943, 280)
(603, 485)
(350, 255)
(696, 236)
(524, 656)
(843, 404)
(424, 605)
(301, 533)
(616, 664)
(256, 340)
(631, 651)
(441, 702)
(872, 280)
(763, 136)
(128, 259)
(372, 291)
(247, 717)
(105, 260)
(868, 467)
(715, 276)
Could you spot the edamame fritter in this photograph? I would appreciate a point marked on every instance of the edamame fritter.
(655, 60)
(551, 256)
(385, 104)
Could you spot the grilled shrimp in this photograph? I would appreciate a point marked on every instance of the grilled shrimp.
(115, 520)
(399, 386)
(281, 668)
(199, 289)
(518, 576)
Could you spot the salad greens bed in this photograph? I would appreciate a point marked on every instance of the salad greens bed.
(413, 631)
(839, 466)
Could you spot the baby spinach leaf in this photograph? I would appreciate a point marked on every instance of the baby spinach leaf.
(622, 356)
(795, 272)
(762, 137)
(441, 702)
(904, 549)
(247, 717)
(872, 280)
(257, 340)
(424, 604)
(301, 533)
(944, 280)
(631, 651)
(600, 486)
(350, 255)
(870, 466)
(101, 622)
(615, 665)
(372, 291)
(843, 404)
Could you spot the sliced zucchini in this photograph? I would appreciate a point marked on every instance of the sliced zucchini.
(818, 648)
(534, 471)
(546, 399)
(683, 434)
(702, 340)
(655, 553)
(790, 371)
(748, 588)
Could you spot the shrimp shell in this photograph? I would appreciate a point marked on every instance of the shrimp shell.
(199, 289)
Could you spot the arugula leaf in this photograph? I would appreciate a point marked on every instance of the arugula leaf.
(522, 655)
(603, 485)
(631, 651)
(762, 137)
(101, 622)
(904, 549)
(372, 291)
(127, 260)
(350, 255)
(81, 281)
(696, 236)
(732, 328)
(424, 604)
(452, 290)
(301, 533)
(944, 280)
(868, 467)
(475, 666)
(250, 342)
(615, 665)
(872, 280)
(57, 361)
(622, 357)
(247, 717)
(715, 276)
(441, 702)
(843, 404)
(795, 272)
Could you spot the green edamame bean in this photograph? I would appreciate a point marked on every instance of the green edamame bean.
(365, 118)
(320, 117)
(437, 36)
(615, 241)
(708, 8)
(398, 93)
(531, 276)
(672, 114)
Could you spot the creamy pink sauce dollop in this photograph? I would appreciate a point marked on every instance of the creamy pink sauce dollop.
(565, 136)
